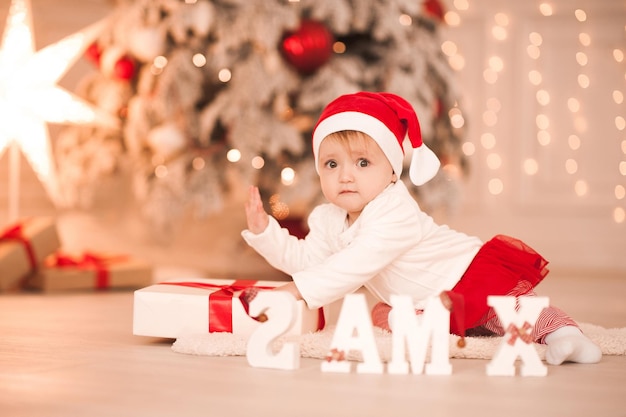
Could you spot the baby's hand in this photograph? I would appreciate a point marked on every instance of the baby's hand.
(256, 216)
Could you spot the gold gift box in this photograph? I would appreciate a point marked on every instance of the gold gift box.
(41, 235)
(91, 272)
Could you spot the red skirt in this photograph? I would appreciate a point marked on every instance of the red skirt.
(500, 266)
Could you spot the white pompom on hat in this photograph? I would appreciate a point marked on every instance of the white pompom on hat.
(387, 119)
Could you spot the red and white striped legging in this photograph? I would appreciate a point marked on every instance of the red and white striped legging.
(550, 319)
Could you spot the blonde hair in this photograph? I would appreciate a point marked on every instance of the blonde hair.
(355, 138)
(347, 138)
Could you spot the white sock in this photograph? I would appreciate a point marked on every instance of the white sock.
(568, 344)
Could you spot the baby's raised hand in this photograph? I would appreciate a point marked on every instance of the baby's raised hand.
(256, 216)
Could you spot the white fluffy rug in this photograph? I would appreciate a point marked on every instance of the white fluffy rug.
(316, 345)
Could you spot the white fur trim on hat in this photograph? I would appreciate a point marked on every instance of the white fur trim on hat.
(367, 124)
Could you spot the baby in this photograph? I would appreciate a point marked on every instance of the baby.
(373, 234)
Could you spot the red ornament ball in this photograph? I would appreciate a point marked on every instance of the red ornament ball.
(309, 47)
(93, 53)
(438, 107)
(124, 68)
(435, 9)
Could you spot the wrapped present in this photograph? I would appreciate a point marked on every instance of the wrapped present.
(199, 305)
(23, 247)
(91, 271)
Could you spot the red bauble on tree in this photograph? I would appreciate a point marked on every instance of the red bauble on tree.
(309, 47)
(124, 68)
(93, 53)
(438, 108)
(435, 9)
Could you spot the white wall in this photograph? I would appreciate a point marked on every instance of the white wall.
(573, 231)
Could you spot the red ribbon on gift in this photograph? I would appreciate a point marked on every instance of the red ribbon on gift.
(521, 332)
(16, 233)
(221, 302)
(221, 305)
(87, 261)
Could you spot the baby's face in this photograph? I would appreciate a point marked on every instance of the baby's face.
(353, 172)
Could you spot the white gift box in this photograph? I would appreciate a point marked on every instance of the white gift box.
(176, 307)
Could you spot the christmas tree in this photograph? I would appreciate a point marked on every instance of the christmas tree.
(216, 93)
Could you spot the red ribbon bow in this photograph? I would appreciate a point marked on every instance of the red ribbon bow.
(522, 332)
(221, 302)
(16, 233)
(336, 355)
(87, 261)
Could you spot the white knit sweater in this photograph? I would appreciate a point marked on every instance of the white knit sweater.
(392, 248)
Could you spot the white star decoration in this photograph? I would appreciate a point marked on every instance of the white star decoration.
(29, 96)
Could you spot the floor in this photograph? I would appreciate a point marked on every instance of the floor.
(75, 355)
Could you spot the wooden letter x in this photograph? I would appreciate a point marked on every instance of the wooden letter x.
(517, 340)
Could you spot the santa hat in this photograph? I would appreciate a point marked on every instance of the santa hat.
(386, 118)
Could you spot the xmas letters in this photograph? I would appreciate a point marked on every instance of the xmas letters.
(412, 333)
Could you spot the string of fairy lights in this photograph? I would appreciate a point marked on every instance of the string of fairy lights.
(495, 64)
